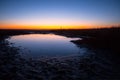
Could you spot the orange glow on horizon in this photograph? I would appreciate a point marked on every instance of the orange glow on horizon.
(13, 26)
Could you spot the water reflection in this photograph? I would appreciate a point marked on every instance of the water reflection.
(36, 45)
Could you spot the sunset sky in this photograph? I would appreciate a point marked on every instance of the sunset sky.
(54, 14)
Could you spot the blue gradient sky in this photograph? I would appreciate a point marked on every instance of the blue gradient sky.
(60, 12)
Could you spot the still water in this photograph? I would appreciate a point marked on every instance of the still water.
(37, 45)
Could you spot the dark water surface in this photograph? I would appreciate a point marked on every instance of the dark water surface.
(37, 45)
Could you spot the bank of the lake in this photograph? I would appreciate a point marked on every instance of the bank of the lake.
(89, 67)
(94, 66)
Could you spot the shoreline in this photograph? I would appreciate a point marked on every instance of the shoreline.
(95, 66)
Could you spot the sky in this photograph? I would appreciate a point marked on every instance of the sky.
(43, 14)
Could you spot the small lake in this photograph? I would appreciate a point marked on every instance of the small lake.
(39, 45)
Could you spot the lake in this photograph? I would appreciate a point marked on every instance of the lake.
(47, 45)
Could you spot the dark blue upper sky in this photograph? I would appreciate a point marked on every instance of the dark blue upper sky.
(60, 12)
